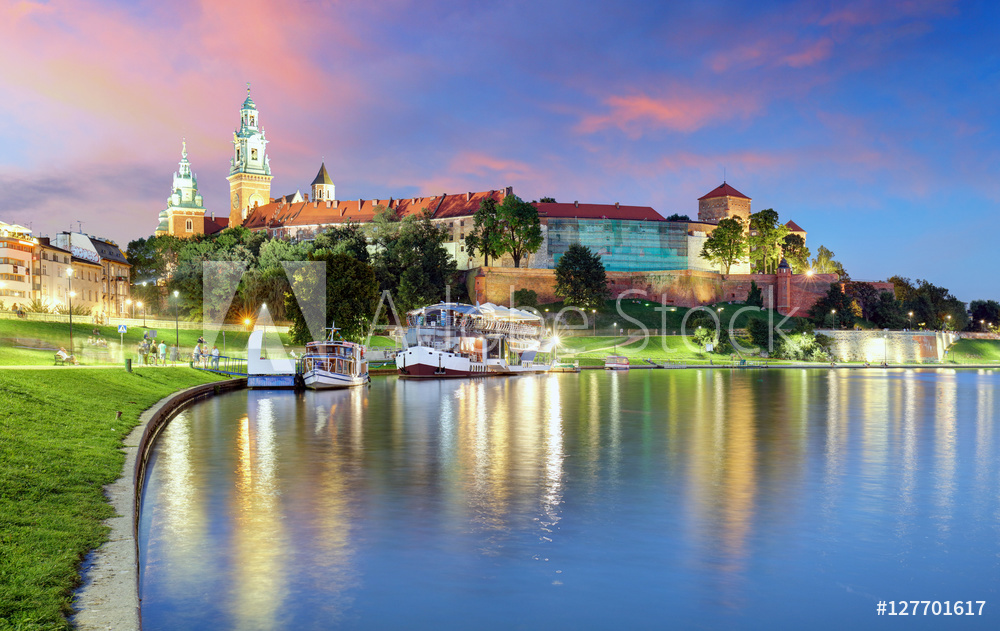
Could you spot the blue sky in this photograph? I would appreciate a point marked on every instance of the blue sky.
(873, 125)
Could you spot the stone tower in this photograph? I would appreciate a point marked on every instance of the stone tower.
(783, 288)
(322, 186)
(250, 169)
(724, 201)
(185, 213)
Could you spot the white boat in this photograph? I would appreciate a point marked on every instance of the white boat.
(616, 362)
(334, 363)
(458, 340)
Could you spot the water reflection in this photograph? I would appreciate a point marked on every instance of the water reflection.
(592, 500)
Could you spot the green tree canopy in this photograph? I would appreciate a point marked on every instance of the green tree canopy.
(834, 310)
(485, 237)
(520, 228)
(677, 217)
(767, 235)
(727, 245)
(985, 314)
(824, 263)
(580, 278)
(794, 249)
(351, 298)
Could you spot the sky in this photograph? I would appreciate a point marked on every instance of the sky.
(873, 125)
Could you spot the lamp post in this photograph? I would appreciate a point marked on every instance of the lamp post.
(177, 326)
(69, 298)
(911, 319)
(128, 303)
(594, 311)
(138, 303)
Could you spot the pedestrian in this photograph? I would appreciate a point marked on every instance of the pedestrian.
(215, 357)
(163, 352)
(196, 356)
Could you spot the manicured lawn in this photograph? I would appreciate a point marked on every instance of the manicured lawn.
(59, 445)
(658, 348)
(974, 352)
(19, 337)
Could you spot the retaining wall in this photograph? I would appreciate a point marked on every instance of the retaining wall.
(896, 347)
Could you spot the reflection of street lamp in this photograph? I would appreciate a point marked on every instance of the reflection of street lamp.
(69, 296)
(177, 326)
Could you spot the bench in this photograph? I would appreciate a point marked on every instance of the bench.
(59, 361)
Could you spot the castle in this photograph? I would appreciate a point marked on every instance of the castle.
(629, 239)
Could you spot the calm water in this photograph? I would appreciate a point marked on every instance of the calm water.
(646, 500)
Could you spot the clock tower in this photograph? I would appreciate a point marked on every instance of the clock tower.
(250, 170)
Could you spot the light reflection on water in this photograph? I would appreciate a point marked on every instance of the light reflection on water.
(691, 499)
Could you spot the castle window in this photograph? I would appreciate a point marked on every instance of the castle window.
(252, 118)
(189, 225)
(253, 154)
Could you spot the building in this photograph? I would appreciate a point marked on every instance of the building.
(249, 170)
(115, 269)
(185, 212)
(723, 202)
(16, 251)
(55, 285)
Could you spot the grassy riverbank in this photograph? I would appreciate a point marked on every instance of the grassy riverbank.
(59, 445)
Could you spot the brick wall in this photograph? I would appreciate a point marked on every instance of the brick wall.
(682, 288)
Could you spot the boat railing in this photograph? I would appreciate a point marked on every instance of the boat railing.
(234, 366)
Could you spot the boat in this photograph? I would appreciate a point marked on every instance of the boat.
(334, 363)
(452, 339)
(566, 366)
(616, 362)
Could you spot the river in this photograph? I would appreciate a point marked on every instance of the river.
(651, 499)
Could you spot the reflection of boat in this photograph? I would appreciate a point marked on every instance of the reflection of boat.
(565, 366)
(458, 340)
(334, 363)
(616, 362)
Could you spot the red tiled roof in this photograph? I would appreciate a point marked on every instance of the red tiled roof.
(794, 227)
(598, 211)
(213, 225)
(279, 214)
(724, 190)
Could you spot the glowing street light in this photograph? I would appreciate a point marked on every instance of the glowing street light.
(177, 326)
(594, 311)
(69, 295)
(128, 303)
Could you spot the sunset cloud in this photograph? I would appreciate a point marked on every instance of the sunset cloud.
(638, 113)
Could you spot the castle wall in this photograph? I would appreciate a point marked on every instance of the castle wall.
(682, 288)
(892, 346)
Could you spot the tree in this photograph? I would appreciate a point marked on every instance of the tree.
(834, 309)
(547, 200)
(824, 263)
(985, 314)
(755, 298)
(351, 298)
(580, 278)
(485, 236)
(414, 264)
(677, 217)
(888, 312)
(865, 295)
(903, 288)
(766, 237)
(727, 244)
(349, 239)
(520, 228)
(526, 298)
(794, 249)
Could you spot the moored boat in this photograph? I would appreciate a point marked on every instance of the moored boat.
(616, 362)
(459, 340)
(334, 363)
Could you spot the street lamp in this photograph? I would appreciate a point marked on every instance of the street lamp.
(594, 311)
(138, 303)
(69, 297)
(911, 319)
(128, 303)
(177, 326)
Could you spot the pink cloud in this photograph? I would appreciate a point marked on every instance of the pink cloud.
(638, 113)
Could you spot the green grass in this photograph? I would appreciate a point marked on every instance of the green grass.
(59, 445)
(974, 352)
(15, 334)
(658, 348)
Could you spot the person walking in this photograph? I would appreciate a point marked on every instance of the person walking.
(197, 355)
(163, 352)
(215, 357)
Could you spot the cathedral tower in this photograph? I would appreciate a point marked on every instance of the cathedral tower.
(185, 213)
(322, 186)
(250, 170)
